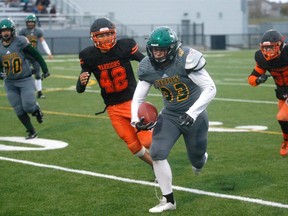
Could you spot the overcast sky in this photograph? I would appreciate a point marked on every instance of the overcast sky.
(283, 1)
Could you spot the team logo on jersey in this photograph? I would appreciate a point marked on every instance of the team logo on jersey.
(180, 52)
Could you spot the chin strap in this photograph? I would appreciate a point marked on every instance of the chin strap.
(97, 113)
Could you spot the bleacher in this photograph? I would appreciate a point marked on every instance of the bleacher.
(69, 16)
(46, 20)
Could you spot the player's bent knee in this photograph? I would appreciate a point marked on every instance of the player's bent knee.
(135, 147)
(158, 155)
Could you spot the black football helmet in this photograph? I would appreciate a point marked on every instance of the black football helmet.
(7, 24)
(103, 33)
(163, 38)
(271, 44)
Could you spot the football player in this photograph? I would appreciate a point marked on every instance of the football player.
(273, 57)
(178, 73)
(109, 61)
(35, 35)
(17, 75)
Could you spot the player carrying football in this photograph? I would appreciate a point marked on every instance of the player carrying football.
(273, 57)
(109, 61)
(187, 89)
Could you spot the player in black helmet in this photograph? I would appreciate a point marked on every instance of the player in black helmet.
(17, 75)
(273, 57)
(178, 73)
(109, 61)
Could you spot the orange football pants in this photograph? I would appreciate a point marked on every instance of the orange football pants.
(120, 116)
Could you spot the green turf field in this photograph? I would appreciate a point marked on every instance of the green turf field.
(96, 174)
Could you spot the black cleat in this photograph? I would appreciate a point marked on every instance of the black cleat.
(39, 115)
(31, 135)
(40, 95)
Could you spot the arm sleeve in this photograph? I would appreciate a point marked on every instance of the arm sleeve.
(139, 97)
(257, 71)
(37, 56)
(45, 47)
(208, 88)
(79, 87)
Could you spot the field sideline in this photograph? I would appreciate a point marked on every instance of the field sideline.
(96, 175)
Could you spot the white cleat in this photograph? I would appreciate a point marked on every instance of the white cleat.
(163, 206)
(198, 171)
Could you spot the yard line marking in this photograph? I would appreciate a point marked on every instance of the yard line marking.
(141, 182)
(160, 95)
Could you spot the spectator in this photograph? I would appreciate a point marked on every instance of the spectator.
(42, 6)
(53, 11)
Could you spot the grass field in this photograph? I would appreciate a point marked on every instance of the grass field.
(96, 175)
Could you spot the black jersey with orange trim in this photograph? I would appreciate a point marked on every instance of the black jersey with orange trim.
(277, 67)
(113, 70)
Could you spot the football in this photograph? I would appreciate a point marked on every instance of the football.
(148, 111)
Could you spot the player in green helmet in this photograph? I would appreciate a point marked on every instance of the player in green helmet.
(35, 35)
(17, 75)
(179, 73)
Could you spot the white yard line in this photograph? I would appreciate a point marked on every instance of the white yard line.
(134, 181)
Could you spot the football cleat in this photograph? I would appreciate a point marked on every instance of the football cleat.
(39, 115)
(284, 149)
(163, 206)
(40, 95)
(31, 135)
(197, 171)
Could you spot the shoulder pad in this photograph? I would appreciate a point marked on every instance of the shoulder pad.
(146, 70)
(259, 58)
(21, 32)
(127, 45)
(194, 60)
(87, 55)
(88, 52)
(22, 41)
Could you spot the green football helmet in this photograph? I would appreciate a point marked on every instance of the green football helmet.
(31, 18)
(162, 37)
(7, 24)
(31, 21)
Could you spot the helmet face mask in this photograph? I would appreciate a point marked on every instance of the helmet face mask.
(7, 24)
(159, 53)
(162, 45)
(103, 34)
(271, 44)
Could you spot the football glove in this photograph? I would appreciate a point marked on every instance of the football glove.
(3, 76)
(45, 75)
(262, 79)
(186, 120)
(141, 126)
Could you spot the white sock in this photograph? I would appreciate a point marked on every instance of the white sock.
(163, 174)
(38, 84)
